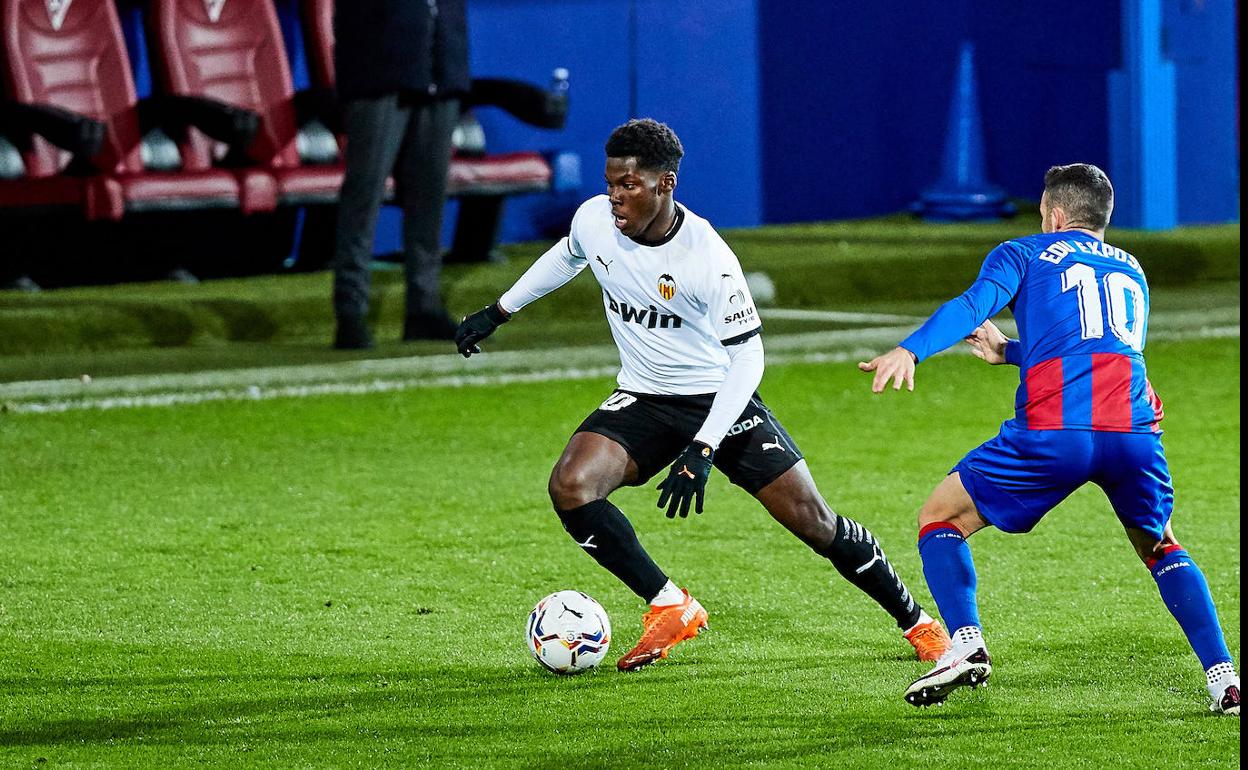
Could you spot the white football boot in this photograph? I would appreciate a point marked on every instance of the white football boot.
(1223, 689)
(966, 664)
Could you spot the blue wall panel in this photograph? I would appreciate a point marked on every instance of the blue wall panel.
(854, 103)
(1201, 42)
(698, 71)
(696, 68)
(855, 96)
(527, 40)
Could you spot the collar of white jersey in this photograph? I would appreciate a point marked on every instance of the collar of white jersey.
(670, 234)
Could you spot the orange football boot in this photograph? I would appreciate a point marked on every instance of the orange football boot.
(665, 627)
(930, 640)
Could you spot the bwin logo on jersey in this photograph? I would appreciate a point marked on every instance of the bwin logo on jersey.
(667, 286)
(648, 317)
(745, 425)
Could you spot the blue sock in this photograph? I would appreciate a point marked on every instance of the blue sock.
(1186, 594)
(950, 574)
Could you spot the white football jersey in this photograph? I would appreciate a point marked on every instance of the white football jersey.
(671, 306)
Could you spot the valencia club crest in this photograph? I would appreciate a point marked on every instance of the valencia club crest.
(667, 286)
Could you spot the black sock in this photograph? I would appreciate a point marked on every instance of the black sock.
(858, 557)
(605, 534)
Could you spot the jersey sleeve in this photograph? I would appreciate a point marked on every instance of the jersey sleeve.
(997, 285)
(1005, 266)
(726, 295)
(560, 264)
(745, 372)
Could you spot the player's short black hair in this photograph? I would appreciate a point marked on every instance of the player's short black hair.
(1083, 191)
(655, 145)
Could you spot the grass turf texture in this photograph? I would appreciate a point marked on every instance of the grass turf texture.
(344, 582)
(892, 264)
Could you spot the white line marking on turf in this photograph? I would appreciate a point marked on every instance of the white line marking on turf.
(787, 349)
(492, 362)
(797, 314)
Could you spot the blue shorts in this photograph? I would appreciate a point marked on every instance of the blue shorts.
(1020, 475)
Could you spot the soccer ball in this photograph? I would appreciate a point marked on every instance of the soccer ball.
(568, 632)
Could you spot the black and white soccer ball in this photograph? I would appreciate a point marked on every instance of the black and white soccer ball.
(568, 632)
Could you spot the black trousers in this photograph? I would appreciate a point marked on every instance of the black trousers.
(412, 139)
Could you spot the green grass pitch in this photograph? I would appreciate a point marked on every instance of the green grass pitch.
(344, 582)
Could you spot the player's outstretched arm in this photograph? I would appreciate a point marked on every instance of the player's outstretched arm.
(896, 365)
(988, 343)
(560, 264)
(957, 319)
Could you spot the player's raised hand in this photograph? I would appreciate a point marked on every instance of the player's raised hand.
(988, 343)
(686, 480)
(896, 365)
(477, 327)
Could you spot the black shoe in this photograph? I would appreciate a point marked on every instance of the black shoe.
(352, 334)
(429, 326)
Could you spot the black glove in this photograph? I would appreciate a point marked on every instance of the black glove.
(687, 479)
(477, 327)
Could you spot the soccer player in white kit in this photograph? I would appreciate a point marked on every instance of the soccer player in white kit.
(691, 359)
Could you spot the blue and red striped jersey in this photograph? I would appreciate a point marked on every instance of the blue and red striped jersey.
(1082, 311)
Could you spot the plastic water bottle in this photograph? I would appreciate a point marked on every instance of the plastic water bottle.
(559, 81)
(557, 97)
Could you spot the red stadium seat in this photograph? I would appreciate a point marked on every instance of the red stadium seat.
(77, 123)
(232, 53)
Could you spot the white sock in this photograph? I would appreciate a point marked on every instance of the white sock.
(1220, 676)
(667, 596)
(923, 618)
(967, 639)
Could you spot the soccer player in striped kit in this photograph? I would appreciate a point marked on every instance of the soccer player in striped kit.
(1085, 412)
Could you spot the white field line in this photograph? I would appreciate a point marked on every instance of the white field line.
(378, 385)
(519, 360)
(384, 375)
(837, 316)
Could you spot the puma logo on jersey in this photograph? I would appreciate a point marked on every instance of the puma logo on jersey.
(744, 425)
(649, 317)
(769, 445)
(605, 265)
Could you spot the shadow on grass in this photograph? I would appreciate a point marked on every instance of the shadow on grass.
(493, 713)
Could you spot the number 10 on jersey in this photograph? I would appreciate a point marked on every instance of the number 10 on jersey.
(1123, 307)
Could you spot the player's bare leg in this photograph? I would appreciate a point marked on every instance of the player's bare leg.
(591, 467)
(950, 503)
(945, 521)
(794, 501)
(1186, 594)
